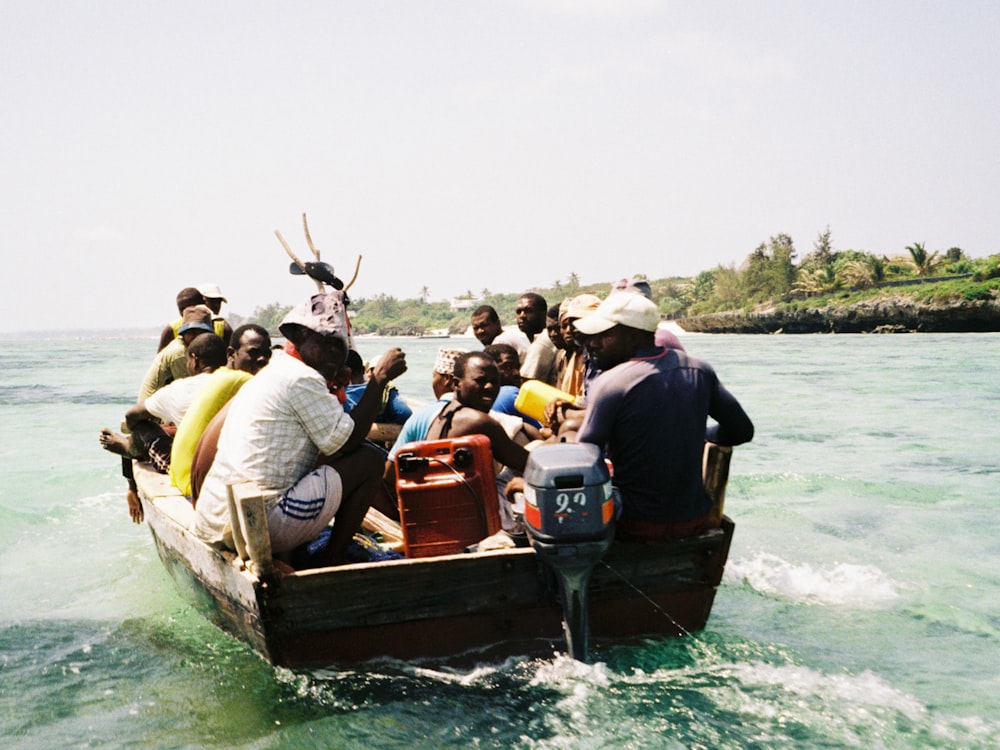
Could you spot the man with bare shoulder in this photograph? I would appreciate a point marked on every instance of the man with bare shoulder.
(476, 383)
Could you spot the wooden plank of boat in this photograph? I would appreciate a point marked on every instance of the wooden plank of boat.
(436, 606)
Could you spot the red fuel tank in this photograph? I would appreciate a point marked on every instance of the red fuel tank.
(447, 495)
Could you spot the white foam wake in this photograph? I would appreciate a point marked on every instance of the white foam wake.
(843, 584)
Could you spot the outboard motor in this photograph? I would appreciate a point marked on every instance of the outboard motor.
(569, 517)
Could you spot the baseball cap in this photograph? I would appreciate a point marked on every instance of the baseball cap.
(621, 309)
(211, 291)
(580, 306)
(634, 284)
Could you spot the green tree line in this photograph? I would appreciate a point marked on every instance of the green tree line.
(770, 275)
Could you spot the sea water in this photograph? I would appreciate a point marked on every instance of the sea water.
(859, 607)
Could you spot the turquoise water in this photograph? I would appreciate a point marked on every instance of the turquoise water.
(859, 607)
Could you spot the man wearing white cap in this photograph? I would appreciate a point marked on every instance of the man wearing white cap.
(648, 410)
(214, 299)
(288, 433)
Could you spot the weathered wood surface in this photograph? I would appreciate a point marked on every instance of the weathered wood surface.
(216, 581)
(430, 606)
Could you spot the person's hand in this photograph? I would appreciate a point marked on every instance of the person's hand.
(134, 506)
(553, 414)
(390, 366)
(343, 378)
(514, 486)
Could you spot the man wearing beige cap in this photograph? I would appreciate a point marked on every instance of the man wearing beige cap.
(575, 375)
(214, 299)
(287, 432)
(648, 409)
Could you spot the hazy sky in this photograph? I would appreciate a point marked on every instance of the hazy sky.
(468, 145)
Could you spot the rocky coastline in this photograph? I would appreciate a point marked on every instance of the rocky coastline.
(895, 315)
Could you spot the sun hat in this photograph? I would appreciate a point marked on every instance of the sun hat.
(621, 309)
(211, 291)
(323, 313)
(196, 317)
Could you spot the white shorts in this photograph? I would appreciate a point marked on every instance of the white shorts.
(305, 510)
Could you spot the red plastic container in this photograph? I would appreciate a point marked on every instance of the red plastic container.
(447, 495)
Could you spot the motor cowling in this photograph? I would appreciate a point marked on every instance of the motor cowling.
(568, 494)
(569, 518)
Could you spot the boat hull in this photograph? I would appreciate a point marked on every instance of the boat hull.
(501, 601)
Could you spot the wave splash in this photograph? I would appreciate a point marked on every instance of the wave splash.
(842, 584)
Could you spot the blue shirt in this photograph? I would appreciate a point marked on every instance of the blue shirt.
(416, 427)
(505, 404)
(395, 411)
(650, 415)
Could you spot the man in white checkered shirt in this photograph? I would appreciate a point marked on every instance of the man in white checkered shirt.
(285, 420)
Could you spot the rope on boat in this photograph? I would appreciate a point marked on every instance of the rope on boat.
(698, 644)
(643, 594)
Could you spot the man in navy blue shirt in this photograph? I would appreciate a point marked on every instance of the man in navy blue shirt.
(648, 410)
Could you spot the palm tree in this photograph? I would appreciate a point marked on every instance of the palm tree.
(815, 281)
(860, 274)
(923, 264)
(425, 294)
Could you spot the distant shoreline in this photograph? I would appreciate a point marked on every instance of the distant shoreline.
(896, 315)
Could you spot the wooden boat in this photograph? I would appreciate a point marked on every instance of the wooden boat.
(501, 600)
(492, 602)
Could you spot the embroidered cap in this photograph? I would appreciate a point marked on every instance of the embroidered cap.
(444, 363)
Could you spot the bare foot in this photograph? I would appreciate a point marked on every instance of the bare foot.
(134, 507)
(115, 443)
